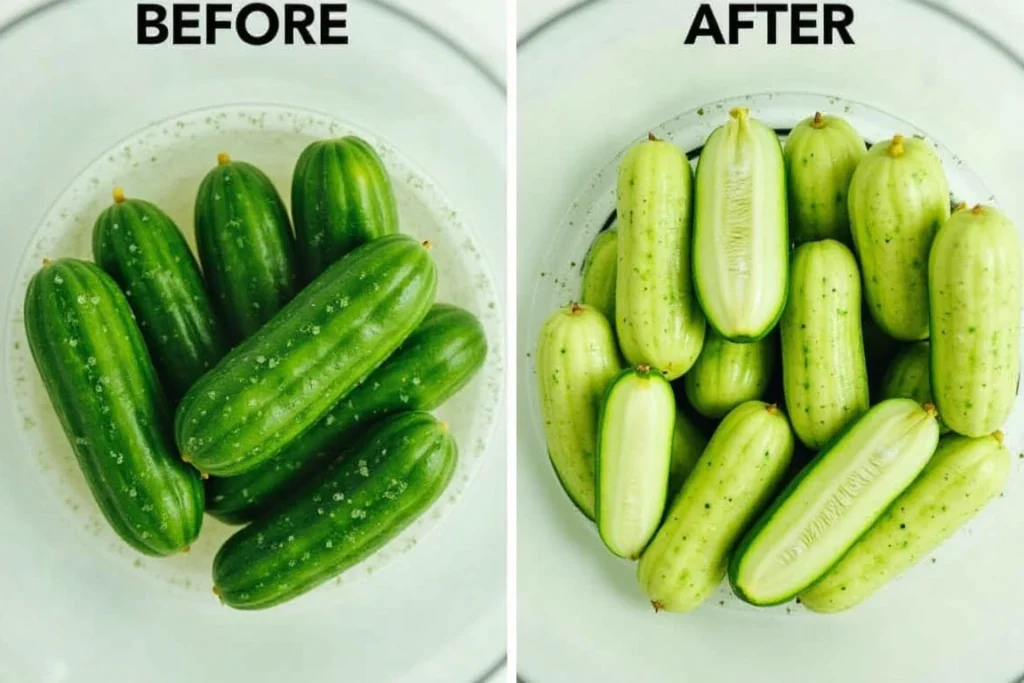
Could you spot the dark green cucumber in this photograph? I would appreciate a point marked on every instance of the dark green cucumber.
(434, 363)
(341, 199)
(245, 245)
(98, 374)
(357, 506)
(143, 250)
(280, 381)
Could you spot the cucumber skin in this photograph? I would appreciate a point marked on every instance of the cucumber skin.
(727, 374)
(432, 364)
(599, 273)
(83, 336)
(576, 359)
(824, 369)
(139, 246)
(688, 443)
(341, 198)
(359, 504)
(744, 462)
(657, 317)
(909, 376)
(975, 320)
(892, 237)
(962, 477)
(756, 253)
(280, 381)
(820, 162)
(246, 247)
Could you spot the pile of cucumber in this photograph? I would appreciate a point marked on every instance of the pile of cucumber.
(850, 343)
(289, 369)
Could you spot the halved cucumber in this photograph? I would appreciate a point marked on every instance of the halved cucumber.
(599, 272)
(727, 374)
(833, 501)
(634, 450)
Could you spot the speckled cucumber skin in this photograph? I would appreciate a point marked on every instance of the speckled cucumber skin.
(975, 299)
(245, 245)
(98, 375)
(741, 229)
(341, 198)
(139, 246)
(734, 478)
(599, 273)
(909, 376)
(357, 506)
(688, 443)
(657, 318)
(431, 365)
(899, 196)
(576, 360)
(727, 374)
(962, 477)
(823, 367)
(821, 155)
(280, 381)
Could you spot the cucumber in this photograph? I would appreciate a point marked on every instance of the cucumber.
(341, 198)
(960, 479)
(734, 478)
(741, 232)
(357, 506)
(975, 276)
(909, 377)
(599, 273)
(102, 384)
(899, 196)
(823, 367)
(727, 374)
(143, 250)
(634, 452)
(576, 360)
(431, 365)
(245, 245)
(879, 350)
(688, 443)
(276, 384)
(657, 318)
(821, 155)
(833, 501)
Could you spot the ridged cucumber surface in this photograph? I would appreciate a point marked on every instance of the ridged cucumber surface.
(599, 273)
(727, 374)
(688, 443)
(741, 230)
(909, 376)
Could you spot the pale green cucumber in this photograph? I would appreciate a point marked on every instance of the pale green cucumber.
(975, 275)
(599, 273)
(962, 477)
(657, 318)
(576, 359)
(741, 232)
(727, 374)
(833, 501)
(908, 376)
(634, 452)
(688, 443)
(821, 154)
(735, 477)
(899, 196)
(823, 368)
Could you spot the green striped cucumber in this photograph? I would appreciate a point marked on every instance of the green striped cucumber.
(657, 318)
(245, 245)
(276, 384)
(962, 477)
(634, 453)
(357, 506)
(599, 273)
(823, 367)
(102, 384)
(975, 301)
(821, 154)
(341, 198)
(899, 196)
(734, 478)
(909, 376)
(833, 501)
(741, 231)
(688, 443)
(431, 365)
(576, 359)
(143, 250)
(727, 374)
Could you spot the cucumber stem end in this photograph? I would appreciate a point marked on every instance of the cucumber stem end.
(978, 208)
(896, 149)
(651, 137)
(819, 120)
(930, 409)
(773, 409)
(223, 159)
(119, 195)
(657, 605)
(998, 436)
(741, 114)
(427, 244)
(575, 309)
(960, 207)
